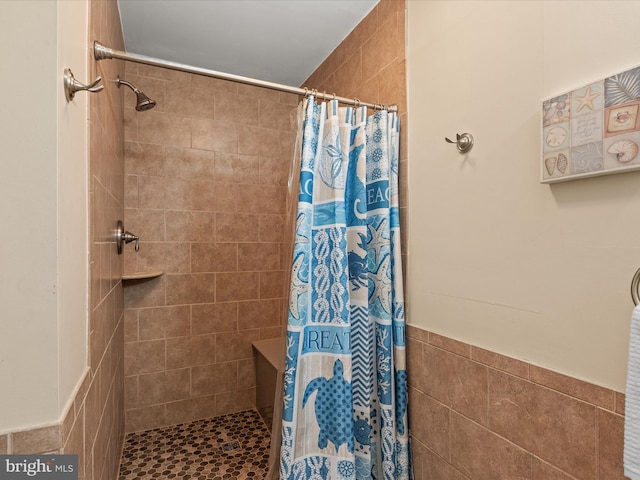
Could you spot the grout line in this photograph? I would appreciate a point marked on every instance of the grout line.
(597, 443)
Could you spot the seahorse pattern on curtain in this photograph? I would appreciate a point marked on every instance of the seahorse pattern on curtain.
(345, 393)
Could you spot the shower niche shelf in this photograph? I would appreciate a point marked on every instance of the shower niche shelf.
(142, 275)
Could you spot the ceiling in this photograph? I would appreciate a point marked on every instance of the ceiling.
(280, 41)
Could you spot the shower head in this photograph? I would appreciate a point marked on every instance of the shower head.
(143, 103)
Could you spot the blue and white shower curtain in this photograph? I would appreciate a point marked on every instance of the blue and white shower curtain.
(345, 382)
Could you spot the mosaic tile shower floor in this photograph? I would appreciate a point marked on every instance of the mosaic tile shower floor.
(234, 446)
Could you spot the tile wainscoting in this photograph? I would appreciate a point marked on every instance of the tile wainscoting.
(475, 414)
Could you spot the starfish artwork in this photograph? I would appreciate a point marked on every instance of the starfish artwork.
(586, 101)
(378, 240)
(592, 130)
(382, 282)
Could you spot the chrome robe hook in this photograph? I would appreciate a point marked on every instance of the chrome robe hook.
(71, 85)
(464, 142)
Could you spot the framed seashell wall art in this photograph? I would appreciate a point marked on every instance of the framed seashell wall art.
(594, 130)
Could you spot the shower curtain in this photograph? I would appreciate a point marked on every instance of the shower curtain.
(344, 412)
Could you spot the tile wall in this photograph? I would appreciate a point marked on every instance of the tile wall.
(206, 188)
(94, 428)
(475, 414)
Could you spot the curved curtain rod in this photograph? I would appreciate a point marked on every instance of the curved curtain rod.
(100, 52)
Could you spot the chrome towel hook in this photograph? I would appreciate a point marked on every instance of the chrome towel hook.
(71, 85)
(464, 142)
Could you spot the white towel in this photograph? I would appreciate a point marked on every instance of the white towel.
(632, 402)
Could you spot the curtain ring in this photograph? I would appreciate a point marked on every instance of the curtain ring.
(324, 95)
(306, 92)
(356, 102)
(334, 96)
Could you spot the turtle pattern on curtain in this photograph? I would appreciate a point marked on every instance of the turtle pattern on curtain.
(345, 380)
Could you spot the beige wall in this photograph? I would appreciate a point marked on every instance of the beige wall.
(44, 209)
(28, 346)
(537, 272)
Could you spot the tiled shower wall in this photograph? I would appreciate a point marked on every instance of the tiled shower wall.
(97, 432)
(206, 188)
